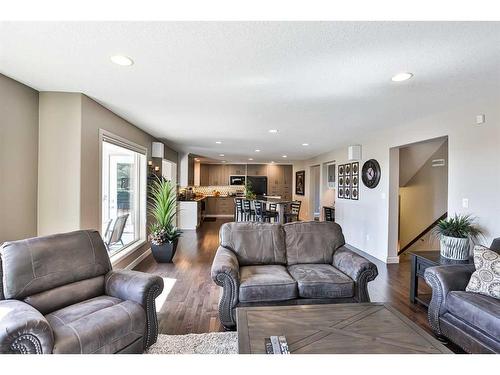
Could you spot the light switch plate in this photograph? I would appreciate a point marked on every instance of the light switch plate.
(480, 119)
(465, 202)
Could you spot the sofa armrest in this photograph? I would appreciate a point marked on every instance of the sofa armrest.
(442, 280)
(139, 287)
(226, 273)
(23, 329)
(358, 268)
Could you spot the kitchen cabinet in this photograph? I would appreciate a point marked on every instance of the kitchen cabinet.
(257, 169)
(219, 206)
(236, 170)
(204, 173)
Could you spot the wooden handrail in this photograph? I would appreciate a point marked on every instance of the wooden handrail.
(424, 232)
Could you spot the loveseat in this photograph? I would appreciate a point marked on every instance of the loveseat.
(295, 263)
(59, 294)
(470, 320)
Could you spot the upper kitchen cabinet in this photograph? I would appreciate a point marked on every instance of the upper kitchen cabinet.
(236, 169)
(204, 175)
(257, 169)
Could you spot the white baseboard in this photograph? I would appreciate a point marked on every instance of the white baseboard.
(139, 259)
(392, 260)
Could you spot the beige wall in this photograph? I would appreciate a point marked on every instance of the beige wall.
(69, 172)
(59, 163)
(424, 198)
(18, 160)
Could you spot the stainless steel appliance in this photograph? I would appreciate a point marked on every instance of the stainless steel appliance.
(237, 180)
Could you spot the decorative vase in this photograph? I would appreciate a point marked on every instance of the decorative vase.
(455, 248)
(165, 252)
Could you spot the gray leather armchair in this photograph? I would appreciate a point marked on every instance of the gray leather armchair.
(295, 263)
(58, 294)
(470, 320)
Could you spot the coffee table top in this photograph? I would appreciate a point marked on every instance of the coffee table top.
(334, 329)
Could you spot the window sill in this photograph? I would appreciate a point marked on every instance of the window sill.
(122, 254)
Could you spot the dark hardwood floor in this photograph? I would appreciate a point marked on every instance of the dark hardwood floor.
(189, 301)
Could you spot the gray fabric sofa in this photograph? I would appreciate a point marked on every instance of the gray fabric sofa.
(295, 263)
(470, 320)
(58, 294)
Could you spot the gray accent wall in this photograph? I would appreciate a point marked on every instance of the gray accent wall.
(18, 160)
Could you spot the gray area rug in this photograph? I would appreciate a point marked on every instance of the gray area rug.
(202, 343)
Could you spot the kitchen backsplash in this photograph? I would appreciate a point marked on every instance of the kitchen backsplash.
(223, 190)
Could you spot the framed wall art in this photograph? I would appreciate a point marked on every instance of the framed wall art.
(300, 182)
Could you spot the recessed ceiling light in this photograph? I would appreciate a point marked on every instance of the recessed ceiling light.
(284, 156)
(223, 161)
(122, 60)
(257, 150)
(218, 142)
(272, 162)
(274, 131)
(221, 154)
(305, 144)
(250, 159)
(402, 77)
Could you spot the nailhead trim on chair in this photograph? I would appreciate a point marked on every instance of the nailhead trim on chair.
(151, 318)
(226, 305)
(27, 344)
(362, 283)
(436, 301)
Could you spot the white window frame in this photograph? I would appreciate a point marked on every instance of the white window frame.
(106, 136)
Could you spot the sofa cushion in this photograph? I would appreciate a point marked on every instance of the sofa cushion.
(38, 264)
(254, 243)
(480, 311)
(99, 325)
(266, 283)
(321, 281)
(312, 242)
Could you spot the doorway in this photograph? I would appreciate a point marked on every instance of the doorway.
(418, 194)
(315, 199)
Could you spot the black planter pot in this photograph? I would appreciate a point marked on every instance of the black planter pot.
(164, 253)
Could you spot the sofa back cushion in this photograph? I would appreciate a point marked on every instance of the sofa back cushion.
(254, 243)
(39, 264)
(312, 242)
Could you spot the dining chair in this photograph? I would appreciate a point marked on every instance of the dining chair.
(293, 213)
(272, 212)
(248, 210)
(329, 213)
(239, 214)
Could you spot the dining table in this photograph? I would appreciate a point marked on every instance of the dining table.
(280, 205)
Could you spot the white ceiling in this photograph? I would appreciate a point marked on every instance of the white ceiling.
(324, 83)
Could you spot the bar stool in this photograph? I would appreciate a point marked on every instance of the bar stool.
(239, 214)
(329, 213)
(248, 210)
(293, 214)
(260, 212)
(273, 213)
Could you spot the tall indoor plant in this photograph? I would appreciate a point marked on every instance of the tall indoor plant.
(164, 235)
(455, 234)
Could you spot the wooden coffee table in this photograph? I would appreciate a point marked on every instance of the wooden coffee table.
(334, 329)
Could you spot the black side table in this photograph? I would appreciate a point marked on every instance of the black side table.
(420, 260)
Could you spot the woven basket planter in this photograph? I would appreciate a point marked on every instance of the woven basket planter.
(455, 248)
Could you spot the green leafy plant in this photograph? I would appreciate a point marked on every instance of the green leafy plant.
(458, 226)
(249, 194)
(163, 208)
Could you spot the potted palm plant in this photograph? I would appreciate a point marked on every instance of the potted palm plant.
(455, 234)
(164, 235)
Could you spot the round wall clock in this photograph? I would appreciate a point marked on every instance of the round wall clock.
(370, 174)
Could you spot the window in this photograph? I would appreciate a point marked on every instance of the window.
(123, 194)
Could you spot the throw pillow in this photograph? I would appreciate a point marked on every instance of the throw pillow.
(486, 278)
